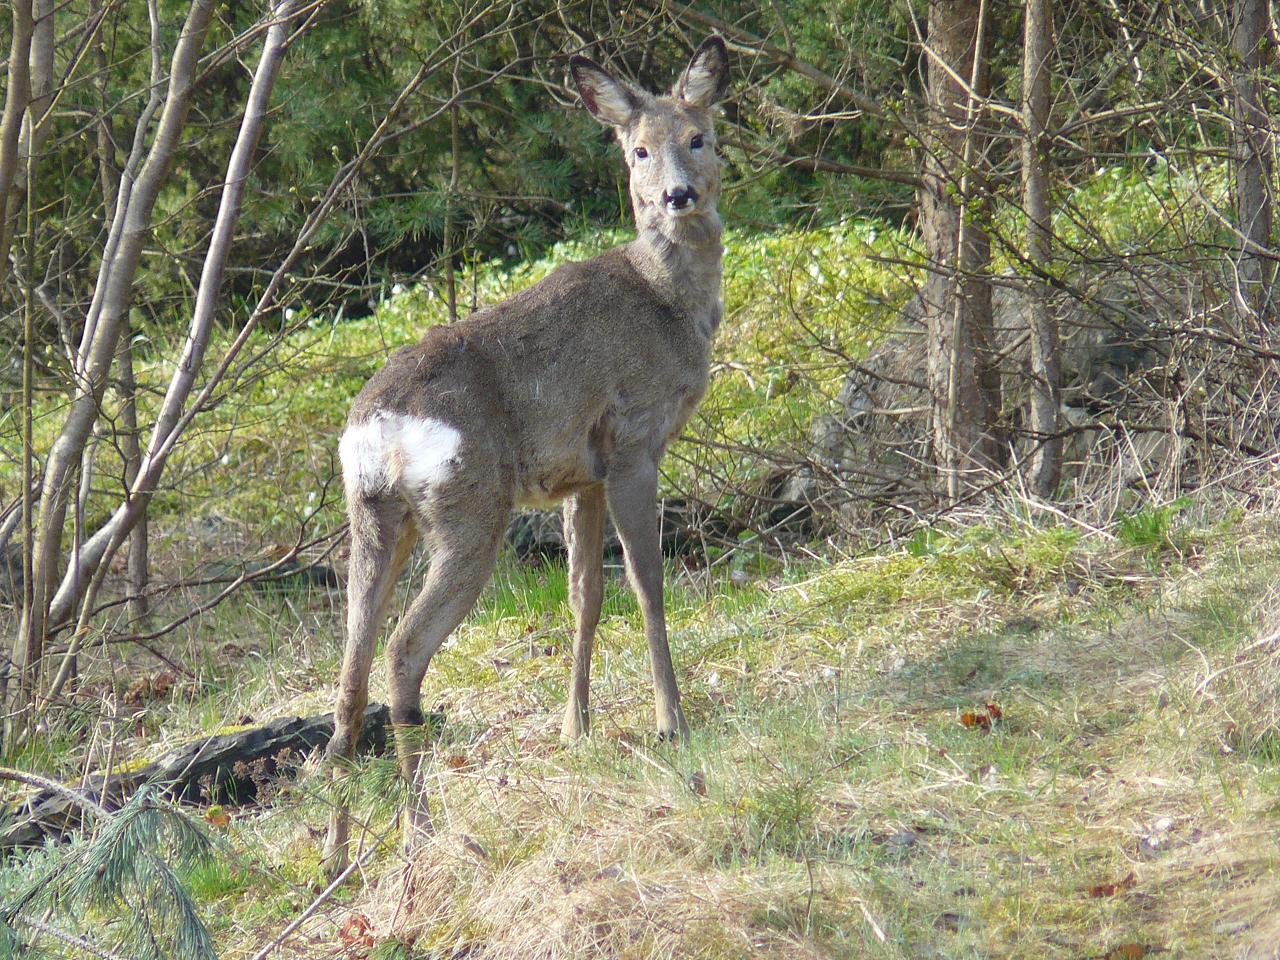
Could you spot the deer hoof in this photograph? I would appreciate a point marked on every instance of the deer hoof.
(673, 729)
(576, 726)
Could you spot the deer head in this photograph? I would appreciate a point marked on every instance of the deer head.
(669, 142)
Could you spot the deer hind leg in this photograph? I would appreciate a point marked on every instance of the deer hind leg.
(584, 533)
(382, 537)
(463, 547)
(632, 493)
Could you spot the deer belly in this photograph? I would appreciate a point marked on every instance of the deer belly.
(545, 484)
(548, 490)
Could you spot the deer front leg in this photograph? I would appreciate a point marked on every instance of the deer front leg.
(584, 533)
(633, 503)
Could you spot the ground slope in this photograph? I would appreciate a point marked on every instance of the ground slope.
(848, 790)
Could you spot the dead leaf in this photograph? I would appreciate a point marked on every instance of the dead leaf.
(150, 687)
(1131, 951)
(472, 846)
(455, 761)
(1099, 890)
(698, 783)
(949, 921)
(356, 934)
(217, 816)
(985, 719)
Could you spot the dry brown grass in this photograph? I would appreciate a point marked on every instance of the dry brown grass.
(830, 803)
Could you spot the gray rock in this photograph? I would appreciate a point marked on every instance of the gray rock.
(874, 447)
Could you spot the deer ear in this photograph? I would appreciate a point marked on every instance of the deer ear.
(607, 99)
(705, 81)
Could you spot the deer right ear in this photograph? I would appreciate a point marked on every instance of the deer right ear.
(607, 99)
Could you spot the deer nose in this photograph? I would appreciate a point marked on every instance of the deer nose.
(679, 198)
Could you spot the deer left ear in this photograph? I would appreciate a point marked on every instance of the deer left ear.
(705, 81)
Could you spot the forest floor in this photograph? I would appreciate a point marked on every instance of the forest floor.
(998, 739)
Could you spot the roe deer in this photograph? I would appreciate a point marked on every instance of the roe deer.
(570, 389)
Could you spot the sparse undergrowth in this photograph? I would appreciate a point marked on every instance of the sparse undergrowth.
(831, 801)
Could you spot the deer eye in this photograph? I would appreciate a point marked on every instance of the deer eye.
(696, 142)
(642, 153)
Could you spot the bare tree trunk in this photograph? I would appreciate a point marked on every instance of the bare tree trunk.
(450, 214)
(33, 133)
(97, 551)
(106, 148)
(957, 295)
(17, 99)
(28, 445)
(130, 229)
(1046, 360)
(1256, 271)
(137, 572)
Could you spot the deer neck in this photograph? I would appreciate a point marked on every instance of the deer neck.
(681, 260)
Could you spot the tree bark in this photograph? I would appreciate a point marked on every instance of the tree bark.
(17, 99)
(32, 135)
(963, 379)
(1256, 270)
(138, 571)
(1045, 465)
(130, 230)
(450, 212)
(88, 572)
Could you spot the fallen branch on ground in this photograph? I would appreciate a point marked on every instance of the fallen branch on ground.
(227, 768)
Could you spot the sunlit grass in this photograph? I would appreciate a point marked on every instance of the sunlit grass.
(829, 802)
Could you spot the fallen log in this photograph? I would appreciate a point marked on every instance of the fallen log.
(229, 768)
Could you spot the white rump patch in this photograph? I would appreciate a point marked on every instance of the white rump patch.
(394, 449)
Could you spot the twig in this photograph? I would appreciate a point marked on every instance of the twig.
(320, 900)
(69, 939)
(871, 922)
(44, 783)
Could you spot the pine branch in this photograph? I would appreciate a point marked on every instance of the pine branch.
(70, 939)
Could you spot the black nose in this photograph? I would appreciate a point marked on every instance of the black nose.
(679, 198)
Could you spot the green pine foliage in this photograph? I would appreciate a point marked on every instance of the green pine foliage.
(119, 887)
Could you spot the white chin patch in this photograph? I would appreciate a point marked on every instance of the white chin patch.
(396, 450)
(684, 211)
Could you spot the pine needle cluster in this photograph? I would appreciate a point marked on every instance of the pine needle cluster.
(116, 891)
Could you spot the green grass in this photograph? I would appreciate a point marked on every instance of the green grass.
(830, 801)
(799, 304)
(796, 301)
